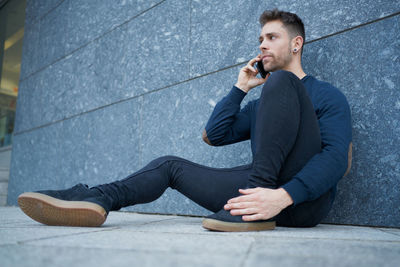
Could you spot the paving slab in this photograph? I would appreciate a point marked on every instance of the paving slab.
(129, 239)
(323, 252)
(61, 256)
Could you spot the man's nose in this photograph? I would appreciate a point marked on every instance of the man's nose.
(263, 46)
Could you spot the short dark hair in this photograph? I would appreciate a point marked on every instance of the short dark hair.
(291, 21)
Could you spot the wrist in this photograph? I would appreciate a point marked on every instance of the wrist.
(242, 87)
(286, 198)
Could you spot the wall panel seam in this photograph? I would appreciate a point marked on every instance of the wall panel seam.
(91, 41)
(126, 99)
(191, 78)
(354, 27)
(38, 19)
(116, 27)
(190, 39)
(307, 42)
(140, 130)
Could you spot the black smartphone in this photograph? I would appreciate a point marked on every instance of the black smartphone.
(261, 70)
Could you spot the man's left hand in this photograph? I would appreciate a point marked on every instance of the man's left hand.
(259, 203)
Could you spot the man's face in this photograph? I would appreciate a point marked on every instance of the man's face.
(275, 46)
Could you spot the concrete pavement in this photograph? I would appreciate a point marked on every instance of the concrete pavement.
(132, 239)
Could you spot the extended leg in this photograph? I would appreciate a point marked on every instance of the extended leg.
(208, 187)
(83, 206)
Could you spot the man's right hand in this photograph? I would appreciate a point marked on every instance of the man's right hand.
(247, 76)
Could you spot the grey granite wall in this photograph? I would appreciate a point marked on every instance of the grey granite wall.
(92, 108)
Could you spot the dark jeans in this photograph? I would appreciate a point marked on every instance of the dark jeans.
(287, 136)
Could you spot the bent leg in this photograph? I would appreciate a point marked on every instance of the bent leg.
(209, 187)
(287, 137)
(287, 132)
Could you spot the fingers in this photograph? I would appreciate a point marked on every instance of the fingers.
(254, 60)
(241, 199)
(239, 205)
(250, 65)
(248, 211)
(249, 68)
(250, 190)
(254, 217)
(242, 208)
(248, 195)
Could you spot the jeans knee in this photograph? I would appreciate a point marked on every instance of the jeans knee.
(282, 74)
(284, 81)
(163, 159)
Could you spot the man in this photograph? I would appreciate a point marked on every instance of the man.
(300, 131)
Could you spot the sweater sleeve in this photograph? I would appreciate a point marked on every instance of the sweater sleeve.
(227, 123)
(326, 168)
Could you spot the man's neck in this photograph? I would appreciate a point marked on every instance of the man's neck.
(296, 69)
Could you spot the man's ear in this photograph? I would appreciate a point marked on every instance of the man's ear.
(297, 43)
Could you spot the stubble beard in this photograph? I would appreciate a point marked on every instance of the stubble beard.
(280, 62)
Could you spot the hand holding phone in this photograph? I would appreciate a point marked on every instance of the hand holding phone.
(247, 78)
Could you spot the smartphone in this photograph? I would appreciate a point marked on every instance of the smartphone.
(261, 70)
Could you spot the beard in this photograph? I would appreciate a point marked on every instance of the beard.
(279, 62)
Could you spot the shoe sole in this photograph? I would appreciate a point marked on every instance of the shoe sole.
(215, 225)
(52, 211)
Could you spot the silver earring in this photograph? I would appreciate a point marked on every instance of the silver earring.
(295, 50)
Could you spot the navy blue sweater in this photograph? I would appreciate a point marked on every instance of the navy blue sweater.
(230, 124)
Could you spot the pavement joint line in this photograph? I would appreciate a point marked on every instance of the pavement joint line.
(251, 234)
(246, 256)
(157, 221)
(138, 225)
(104, 229)
(120, 249)
(96, 248)
(150, 251)
(162, 214)
(19, 227)
(62, 235)
(388, 231)
(256, 238)
(338, 239)
(361, 226)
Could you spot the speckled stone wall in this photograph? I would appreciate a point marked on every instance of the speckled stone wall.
(107, 86)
